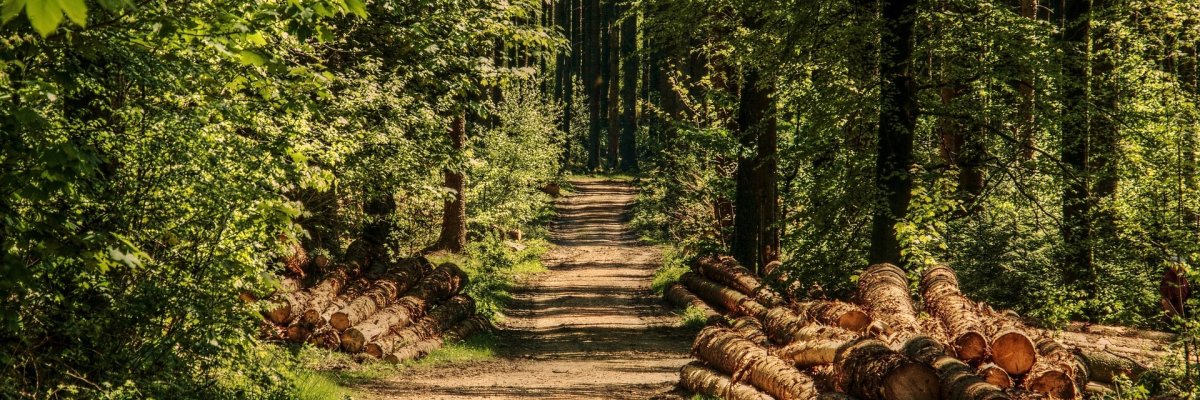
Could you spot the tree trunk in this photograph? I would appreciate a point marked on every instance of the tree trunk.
(1012, 350)
(422, 348)
(883, 292)
(731, 300)
(443, 317)
(613, 82)
(897, 121)
(993, 374)
(1057, 373)
(943, 300)
(750, 329)
(1077, 207)
(728, 272)
(312, 315)
(869, 370)
(453, 237)
(755, 238)
(592, 78)
(730, 353)
(958, 380)
(290, 306)
(440, 284)
(382, 293)
(629, 87)
(680, 296)
(709, 382)
(834, 313)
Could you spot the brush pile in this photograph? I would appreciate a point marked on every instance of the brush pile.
(395, 311)
(880, 348)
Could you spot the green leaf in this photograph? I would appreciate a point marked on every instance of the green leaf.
(357, 7)
(251, 58)
(44, 15)
(76, 10)
(12, 8)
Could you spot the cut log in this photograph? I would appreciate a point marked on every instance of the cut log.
(289, 306)
(1011, 347)
(993, 374)
(312, 315)
(883, 292)
(443, 282)
(834, 313)
(395, 316)
(727, 271)
(326, 338)
(870, 370)
(680, 296)
(1058, 372)
(714, 293)
(1099, 390)
(958, 380)
(805, 343)
(1105, 367)
(811, 353)
(728, 352)
(943, 300)
(442, 318)
(698, 379)
(749, 328)
(383, 291)
(424, 347)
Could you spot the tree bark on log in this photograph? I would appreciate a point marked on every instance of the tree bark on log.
(725, 350)
(420, 349)
(727, 271)
(443, 282)
(959, 380)
(750, 328)
(804, 343)
(382, 292)
(289, 306)
(680, 296)
(713, 293)
(313, 311)
(1105, 367)
(702, 380)
(883, 292)
(1058, 372)
(834, 313)
(993, 374)
(944, 300)
(870, 370)
(442, 318)
(1012, 350)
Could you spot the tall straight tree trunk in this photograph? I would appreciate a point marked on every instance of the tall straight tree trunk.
(629, 90)
(566, 80)
(453, 237)
(1077, 207)
(1025, 87)
(897, 120)
(613, 80)
(592, 78)
(756, 208)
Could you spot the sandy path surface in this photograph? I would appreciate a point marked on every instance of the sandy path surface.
(590, 328)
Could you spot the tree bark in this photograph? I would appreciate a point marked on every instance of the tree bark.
(706, 381)
(883, 292)
(613, 82)
(629, 87)
(897, 121)
(755, 237)
(422, 348)
(958, 380)
(943, 300)
(834, 313)
(731, 300)
(993, 374)
(728, 352)
(290, 306)
(453, 237)
(382, 293)
(443, 317)
(680, 296)
(728, 272)
(440, 284)
(1058, 373)
(592, 78)
(869, 370)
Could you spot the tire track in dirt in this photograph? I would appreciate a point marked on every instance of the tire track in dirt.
(589, 328)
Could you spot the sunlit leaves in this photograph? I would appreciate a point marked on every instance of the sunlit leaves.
(44, 15)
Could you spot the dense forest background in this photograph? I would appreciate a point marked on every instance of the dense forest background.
(161, 158)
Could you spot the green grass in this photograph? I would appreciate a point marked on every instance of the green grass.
(693, 319)
(673, 266)
(479, 347)
(314, 385)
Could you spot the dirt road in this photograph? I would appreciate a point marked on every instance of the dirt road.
(590, 328)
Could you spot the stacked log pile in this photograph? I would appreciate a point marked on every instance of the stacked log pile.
(396, 313)
(885, 346)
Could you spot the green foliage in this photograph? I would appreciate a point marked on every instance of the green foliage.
(674, 265)
(495, 266)
(693, 319)
(160, 158)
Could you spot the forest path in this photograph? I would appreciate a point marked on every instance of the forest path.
(590, 328)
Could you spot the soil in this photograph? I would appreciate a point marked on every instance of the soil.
(589, 328)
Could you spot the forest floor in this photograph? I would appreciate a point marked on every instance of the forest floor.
(589, 328)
